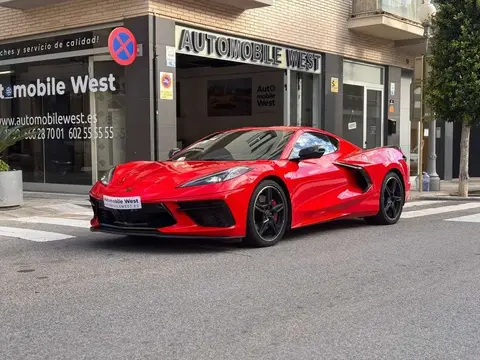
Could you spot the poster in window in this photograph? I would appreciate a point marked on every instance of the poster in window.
(229, 97)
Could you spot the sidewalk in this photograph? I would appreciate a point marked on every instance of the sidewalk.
(49, 205)
(32, 198)
(448, 191)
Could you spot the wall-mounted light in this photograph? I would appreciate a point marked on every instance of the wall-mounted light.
(6, 72)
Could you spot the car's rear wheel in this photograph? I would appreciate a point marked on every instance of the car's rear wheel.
(391, 201)
(268, 214)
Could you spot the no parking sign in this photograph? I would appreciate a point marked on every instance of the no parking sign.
(122, 46)
(166, 86)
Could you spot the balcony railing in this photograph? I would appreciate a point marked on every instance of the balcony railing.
(403, 9)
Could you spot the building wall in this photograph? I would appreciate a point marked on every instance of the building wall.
(65, 15)
(319, 26)
(315, 25)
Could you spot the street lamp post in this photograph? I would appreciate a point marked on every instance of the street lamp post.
(425, 13)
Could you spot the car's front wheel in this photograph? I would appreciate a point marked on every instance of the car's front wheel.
(268, 214)
(392, 199)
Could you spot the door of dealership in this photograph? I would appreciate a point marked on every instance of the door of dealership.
(363, 109)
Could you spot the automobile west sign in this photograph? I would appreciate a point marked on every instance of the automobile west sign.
(219, 46)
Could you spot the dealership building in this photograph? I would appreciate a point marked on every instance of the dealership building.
(111, 81)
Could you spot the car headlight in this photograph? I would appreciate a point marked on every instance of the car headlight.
(219, 176)
(107, 177)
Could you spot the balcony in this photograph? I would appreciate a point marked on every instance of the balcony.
(246, 4)
(387, 19)
(27, 4)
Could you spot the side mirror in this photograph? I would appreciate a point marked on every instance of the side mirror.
(172, 152)
(312, 152)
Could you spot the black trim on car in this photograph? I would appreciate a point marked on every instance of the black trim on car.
(363, 179)
(127, 231)
(208, 213)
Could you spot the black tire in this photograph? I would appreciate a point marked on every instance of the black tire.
(392, 199)
(267, 221)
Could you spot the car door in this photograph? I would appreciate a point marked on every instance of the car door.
(316, 183)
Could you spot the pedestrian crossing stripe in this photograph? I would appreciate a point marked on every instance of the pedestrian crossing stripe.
(411, 204)
(85, 224)
(474, 218)
(439, 210)
(32, 235)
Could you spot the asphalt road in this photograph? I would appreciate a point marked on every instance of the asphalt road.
(339, 291)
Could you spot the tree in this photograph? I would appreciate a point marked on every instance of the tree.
(453, 87)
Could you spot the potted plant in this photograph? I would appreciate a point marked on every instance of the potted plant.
(11, 180)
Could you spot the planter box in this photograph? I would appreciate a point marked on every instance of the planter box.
(11, 188)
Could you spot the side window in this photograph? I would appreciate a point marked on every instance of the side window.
(311, 139)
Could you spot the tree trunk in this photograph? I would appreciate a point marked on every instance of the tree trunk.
(464, 150)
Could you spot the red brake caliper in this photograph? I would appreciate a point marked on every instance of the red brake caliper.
(275, 215)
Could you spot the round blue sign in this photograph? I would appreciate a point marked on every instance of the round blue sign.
(122, 45)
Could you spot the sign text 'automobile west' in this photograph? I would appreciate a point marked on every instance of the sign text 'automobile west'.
(52, 86)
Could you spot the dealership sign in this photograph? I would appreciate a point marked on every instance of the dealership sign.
(52, 86)
(218, 46)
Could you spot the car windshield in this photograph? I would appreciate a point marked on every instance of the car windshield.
(237, 145)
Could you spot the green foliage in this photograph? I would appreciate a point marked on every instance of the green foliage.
(3, 166)
(10, 136)
(453, 88)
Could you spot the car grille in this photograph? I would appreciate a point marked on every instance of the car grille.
(151, 216)
(209, 213)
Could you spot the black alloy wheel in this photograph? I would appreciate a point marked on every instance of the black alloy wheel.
(268, 215)
(391, 201)
(392, 198)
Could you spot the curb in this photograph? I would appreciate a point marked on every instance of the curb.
(448, 198)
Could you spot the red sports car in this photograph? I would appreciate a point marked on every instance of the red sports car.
(252, 184)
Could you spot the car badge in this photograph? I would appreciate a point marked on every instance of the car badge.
(128, 189)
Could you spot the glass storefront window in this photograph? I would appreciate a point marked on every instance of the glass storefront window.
(77, 111)
(362, 73)
(110, 108)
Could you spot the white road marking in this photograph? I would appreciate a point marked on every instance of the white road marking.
(422, 203)
(32, 235)
(439, 210)
(474, 218)
(56, 221)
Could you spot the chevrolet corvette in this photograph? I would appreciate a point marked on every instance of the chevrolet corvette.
(253, 185)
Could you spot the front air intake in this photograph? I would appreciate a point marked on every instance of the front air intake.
(208, 213)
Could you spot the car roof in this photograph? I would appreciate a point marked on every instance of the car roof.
(282, 127)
